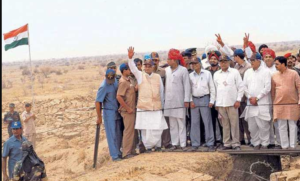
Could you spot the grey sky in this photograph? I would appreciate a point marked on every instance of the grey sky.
(70, 28)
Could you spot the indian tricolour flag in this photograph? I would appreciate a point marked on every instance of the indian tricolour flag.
(16, 37)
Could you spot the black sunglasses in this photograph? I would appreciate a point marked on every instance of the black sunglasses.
(16, 128)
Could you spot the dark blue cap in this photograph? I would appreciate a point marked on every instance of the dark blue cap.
(123, 66)
(193, 51)
(110, 76)
(256, 56)
(239, 52)
(16, 124)
(203, 56)
(186, 54)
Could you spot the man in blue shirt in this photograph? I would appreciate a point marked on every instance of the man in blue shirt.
(106, 96)
(12, 148)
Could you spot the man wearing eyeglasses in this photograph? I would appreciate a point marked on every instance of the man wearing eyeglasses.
(149, 117)
(12, 148)
(230, 90)
(257, 81)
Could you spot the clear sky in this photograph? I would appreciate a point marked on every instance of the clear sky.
(71, 28)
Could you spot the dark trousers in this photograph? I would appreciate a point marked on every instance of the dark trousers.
(215, 119)
(119, 130)
(166, 136)
(243, 124)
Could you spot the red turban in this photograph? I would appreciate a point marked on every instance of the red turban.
(175, 54)
(288, 55)
(252, 46)
(268, 51)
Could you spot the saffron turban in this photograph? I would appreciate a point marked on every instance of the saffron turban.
(269, 51)
(175, 54)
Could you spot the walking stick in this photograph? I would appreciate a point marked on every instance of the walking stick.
(96, 145)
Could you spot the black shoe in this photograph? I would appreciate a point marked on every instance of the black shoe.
(168, 146)
(252, 146)
(271, 146)
(158, 149)
(129, 156)
(148, 151)
(226, 148)
(172, 148)
(243, 142)
(238, 148)
(211, 149)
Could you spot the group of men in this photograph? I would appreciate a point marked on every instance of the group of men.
(21, 131)
(219, 100)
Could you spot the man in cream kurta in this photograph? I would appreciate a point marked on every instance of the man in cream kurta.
(177, 97)
(150, 121)
(257, 81)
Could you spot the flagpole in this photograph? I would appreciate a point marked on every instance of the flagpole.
(31, 75)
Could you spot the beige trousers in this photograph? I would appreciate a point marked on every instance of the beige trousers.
(230, 122)
(31, 138)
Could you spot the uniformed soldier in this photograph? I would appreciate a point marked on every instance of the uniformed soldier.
(119, 119)
(12, 149)
(11, 116)
(106, 97)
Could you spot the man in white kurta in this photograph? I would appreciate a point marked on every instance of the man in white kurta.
(257, 81)
(269, 58)
(177, 98)
(150, 120)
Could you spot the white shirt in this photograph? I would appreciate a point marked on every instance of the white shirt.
(202, 84)
(258, 84)
(205, 63)
(272, 69)
(229, 86)
(29, 126)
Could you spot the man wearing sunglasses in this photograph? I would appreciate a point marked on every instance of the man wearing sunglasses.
(257, 81)
(12, 148)
(230, 90)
